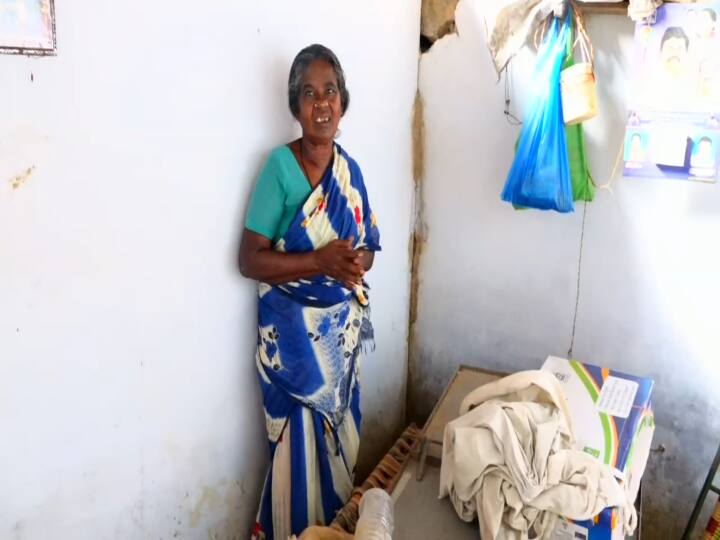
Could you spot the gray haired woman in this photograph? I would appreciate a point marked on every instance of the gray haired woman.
(309, 238)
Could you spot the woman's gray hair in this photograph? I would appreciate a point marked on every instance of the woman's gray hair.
(302, 61)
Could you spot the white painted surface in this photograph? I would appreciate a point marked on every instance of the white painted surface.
(128, 401)
(498, 285)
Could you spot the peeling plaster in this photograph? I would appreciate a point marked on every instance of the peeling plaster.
(437, 18)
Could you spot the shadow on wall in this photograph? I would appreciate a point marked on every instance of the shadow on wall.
(242, 497)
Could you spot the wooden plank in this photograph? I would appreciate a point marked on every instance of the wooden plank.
(466, 380)
(610, 8)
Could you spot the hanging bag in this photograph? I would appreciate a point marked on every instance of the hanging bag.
(580, 178)
(539, 176)
(577, 81)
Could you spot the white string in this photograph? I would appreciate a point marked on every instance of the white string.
(608, 185)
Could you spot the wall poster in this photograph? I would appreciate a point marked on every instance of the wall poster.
(27, 27)
(673, 128)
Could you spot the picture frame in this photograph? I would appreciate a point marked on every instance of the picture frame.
(673, 125)
(27, 27)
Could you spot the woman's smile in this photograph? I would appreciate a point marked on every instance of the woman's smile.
(323, 119)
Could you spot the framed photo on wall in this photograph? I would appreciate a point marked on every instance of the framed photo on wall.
(673, 127)
(27, 27)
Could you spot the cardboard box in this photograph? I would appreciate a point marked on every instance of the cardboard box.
(447, 409)
(613, 420)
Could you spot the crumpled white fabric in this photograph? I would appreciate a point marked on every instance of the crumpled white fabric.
(509, 24)
(509, 460)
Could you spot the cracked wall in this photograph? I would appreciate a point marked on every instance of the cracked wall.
(437, 18)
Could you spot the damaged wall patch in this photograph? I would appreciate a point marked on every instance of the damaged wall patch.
(437, 19)
(20, 179)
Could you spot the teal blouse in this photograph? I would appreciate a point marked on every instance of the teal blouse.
(280, 192)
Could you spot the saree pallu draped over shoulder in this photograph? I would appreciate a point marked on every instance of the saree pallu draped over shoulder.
(310, 336)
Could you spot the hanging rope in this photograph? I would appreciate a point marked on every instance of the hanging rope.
(613, 175)
(582, 37)
(577, 290)
(509, 116)
(540, 31)
(608, 186)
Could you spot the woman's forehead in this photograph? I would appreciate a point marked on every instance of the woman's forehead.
(319, 72)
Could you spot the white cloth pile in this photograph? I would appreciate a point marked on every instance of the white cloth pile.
(509, 460)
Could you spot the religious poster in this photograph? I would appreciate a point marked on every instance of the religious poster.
(673, 129)
(27, 26)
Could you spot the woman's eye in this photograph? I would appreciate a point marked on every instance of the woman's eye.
(309, 93)
(331, 91)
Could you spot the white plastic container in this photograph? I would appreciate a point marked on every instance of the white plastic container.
(579, 98)
(376, 520)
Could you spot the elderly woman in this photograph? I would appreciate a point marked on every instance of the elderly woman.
(309, 238)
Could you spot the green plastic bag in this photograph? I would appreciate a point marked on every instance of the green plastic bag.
(580, 178)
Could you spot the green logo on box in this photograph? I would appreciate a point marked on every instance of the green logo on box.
(594, 453)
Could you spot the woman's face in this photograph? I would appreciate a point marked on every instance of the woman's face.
(320, 108)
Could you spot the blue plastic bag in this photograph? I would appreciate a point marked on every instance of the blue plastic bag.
(540, 174)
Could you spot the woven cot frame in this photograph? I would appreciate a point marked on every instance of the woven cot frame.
(385, 476)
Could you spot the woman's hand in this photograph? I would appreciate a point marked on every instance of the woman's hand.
(257, 260)
(341, 262)
(366, 259)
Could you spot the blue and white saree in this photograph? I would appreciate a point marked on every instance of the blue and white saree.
(310, 337)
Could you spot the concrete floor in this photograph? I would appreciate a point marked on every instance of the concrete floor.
(419, 514)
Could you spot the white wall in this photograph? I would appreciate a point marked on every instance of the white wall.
(498, 286)
(128, 400)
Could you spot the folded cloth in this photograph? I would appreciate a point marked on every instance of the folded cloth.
(509, 460)
(509, 24)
